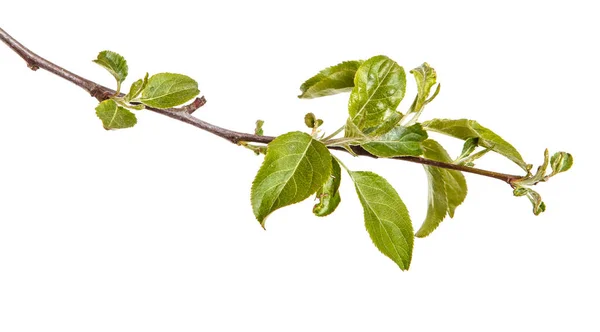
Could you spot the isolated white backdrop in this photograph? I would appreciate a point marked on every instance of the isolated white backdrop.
(151, 229)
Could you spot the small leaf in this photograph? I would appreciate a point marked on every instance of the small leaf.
(470, 145)
(114, 63)
(328, 195)
(534, 198)
(465, 129)
(136, 88)
(310, 120)
(386, 217)
(258, 130)
(295, 167)
(426, 78)
(330, 81)
(447, 188)
(379, 86)
(400, 141)
(114, 116)
(166, 90)
(561, 162)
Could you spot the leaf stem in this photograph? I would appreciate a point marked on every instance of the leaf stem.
(184, 114)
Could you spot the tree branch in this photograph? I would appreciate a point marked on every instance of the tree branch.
(184, 114)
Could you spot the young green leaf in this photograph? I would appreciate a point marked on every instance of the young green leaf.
(136, 88)
(310, 120)
(330, 81)
(465, 129)
(114, 116)
(400, 141)
(328, 195)
(166, 90)
(115, 64)
(447, 188)
(379, 86)
(258, 130)
(534, 198)
(295, 167)
(426, 78)
(386, 217)
(561, 162)
(470, 145)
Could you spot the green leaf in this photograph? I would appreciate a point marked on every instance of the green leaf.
(310, 120)
(447, 188)
(379, 86)
(534, 198)
(295, 167)
(328, 195)
(470, 145)
(166, 90)
(386, 217)
(115, 64)
(389, 121)
(330, 81)
(561, 162)
(400, 141)
(258, 130)
(465, 129)
(114, 116)
(437, 201)
(136, 88)
(426, 78)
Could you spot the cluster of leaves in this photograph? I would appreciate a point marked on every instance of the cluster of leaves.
(298, 165)
(163, 90)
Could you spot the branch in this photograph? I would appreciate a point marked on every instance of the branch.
(184, 114)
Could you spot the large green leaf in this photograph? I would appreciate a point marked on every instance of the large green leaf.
(328, 195)
(114, 63)
(465, 129)
(330, 81)
(166, 90)
(379, 86)
(386, 217)
(114, 116)
(295, 167)
(400, 141)
(447, 188)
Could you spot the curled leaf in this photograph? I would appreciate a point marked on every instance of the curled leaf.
(561, 162)
(447, 188)
(136, 89)
(426, 78)
(330, 81)
(534, 198)
(310, 120)
(328, 195)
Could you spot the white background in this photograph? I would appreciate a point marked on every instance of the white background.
(151, 229)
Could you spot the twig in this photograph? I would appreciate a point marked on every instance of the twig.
(184, 113)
